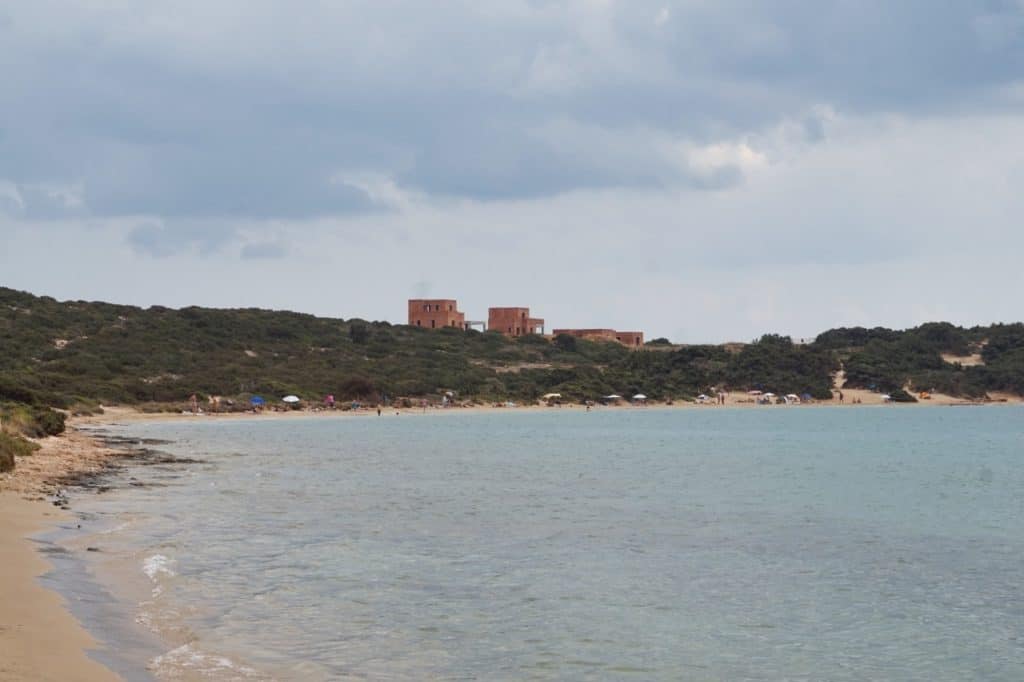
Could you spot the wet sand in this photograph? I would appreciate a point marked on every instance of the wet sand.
(39, 638)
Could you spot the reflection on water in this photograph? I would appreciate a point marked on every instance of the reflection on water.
(635, 544)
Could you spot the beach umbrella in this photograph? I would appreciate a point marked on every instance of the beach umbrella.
(639, 396)
(256, 400)
(290, 399)
(549, 396)
(613, 397)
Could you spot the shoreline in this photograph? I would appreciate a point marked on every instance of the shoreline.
(118, 415)
(48, 632)
(40, 639)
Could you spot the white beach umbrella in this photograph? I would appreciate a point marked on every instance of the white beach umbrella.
(639, 396)
(290, 399)
(613, 397)
(549, 396)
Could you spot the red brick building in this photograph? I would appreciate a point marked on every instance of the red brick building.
(514, 321)
(433, 313)
(630, 339)
(589, 334)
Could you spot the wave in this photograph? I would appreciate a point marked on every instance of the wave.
(157, 565)
(189, 660)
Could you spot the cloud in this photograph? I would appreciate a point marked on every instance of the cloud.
(159, 240)
(179, 115)
(11, 201)
(264, 251)
(40, 200)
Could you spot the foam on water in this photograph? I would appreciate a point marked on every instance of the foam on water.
(157, 565)
(188, 660)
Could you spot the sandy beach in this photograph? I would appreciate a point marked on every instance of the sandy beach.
(39, 638)
(735, 399)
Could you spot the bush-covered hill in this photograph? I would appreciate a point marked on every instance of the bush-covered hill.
(74, 354)
(935, 356)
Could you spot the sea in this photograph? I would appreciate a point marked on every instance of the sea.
(774, 543)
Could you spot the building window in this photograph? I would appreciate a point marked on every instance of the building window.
(426, 308)
(433, 324)
(418, 323)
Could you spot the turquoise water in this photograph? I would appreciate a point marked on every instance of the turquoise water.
(704, 544)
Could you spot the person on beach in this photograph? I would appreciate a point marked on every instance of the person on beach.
(840, 397)
(378, 410)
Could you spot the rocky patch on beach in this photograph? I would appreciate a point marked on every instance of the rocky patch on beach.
(85, 460)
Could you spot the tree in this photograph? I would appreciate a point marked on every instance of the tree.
(566, 342)
(359, 333)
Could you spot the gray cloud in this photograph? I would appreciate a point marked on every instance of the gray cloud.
(159, 240)
(264, 251)
(262, 122)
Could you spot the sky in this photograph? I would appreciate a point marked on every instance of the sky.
(703, 171)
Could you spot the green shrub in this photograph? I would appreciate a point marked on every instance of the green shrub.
(31, 421)
(901, 396)
(47, 422)
(566, 343)
(11, 446)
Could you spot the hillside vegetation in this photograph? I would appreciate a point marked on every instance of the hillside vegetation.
(74, 355)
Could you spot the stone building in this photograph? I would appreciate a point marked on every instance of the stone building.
(514, 321)
(630, 339)
(433, 313)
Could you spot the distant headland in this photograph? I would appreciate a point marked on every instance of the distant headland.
(74, 356)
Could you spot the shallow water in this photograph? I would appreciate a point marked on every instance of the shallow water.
(705, 544)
